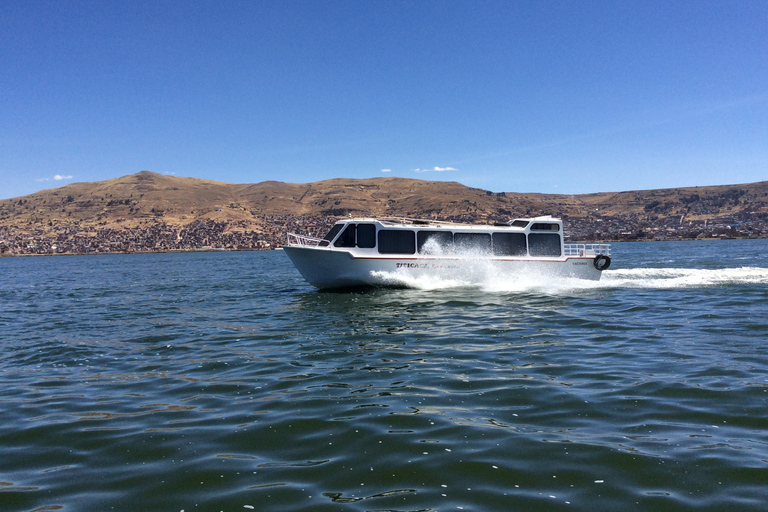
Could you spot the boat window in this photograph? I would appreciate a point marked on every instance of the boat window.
(509, 244)
(327, 239)
(366, 236)
(397, 241)
(544, 226)
(347, 237)
(472, 242)
(544, 244)
(519, 223)
(434, 242)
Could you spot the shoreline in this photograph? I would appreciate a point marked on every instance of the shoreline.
(222, 249)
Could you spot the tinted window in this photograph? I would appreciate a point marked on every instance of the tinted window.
(397, 241)
(434, 242)
(472, 242)
(542, 226)
(347, 237)
(331, 234)
(509, 244)
(520, 223)
(544, 244)
(366, 236)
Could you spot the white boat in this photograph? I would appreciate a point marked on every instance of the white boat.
(391, 252)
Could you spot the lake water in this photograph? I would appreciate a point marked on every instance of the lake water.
(223, 382)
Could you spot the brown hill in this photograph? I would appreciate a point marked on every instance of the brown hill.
(147, 198)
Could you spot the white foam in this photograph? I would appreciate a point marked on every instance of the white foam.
(683, 277)
(420, 282)
(661, 278)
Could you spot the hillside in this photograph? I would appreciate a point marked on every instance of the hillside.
(264, 211)
(146, 197)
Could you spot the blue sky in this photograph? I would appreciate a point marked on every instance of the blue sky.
(516, 96)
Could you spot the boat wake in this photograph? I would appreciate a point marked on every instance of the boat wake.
(683, 277)
(649, 278)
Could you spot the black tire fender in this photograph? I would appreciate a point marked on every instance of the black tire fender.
(601, 262)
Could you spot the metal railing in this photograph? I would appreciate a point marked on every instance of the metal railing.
(586, 249)
(294, 239)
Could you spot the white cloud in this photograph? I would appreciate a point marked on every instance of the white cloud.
(436, 169)
(386, 170)
(58, 177)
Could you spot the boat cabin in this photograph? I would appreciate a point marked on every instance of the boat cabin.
(536, 237)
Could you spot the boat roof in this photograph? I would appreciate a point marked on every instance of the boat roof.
(432, 222)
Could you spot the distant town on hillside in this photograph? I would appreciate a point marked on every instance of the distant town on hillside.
(150, 212)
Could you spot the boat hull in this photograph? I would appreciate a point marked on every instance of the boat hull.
(332, 268)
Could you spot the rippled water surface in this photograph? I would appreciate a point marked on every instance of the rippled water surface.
(223, 382)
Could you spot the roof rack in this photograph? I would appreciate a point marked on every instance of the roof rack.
(422, 222)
